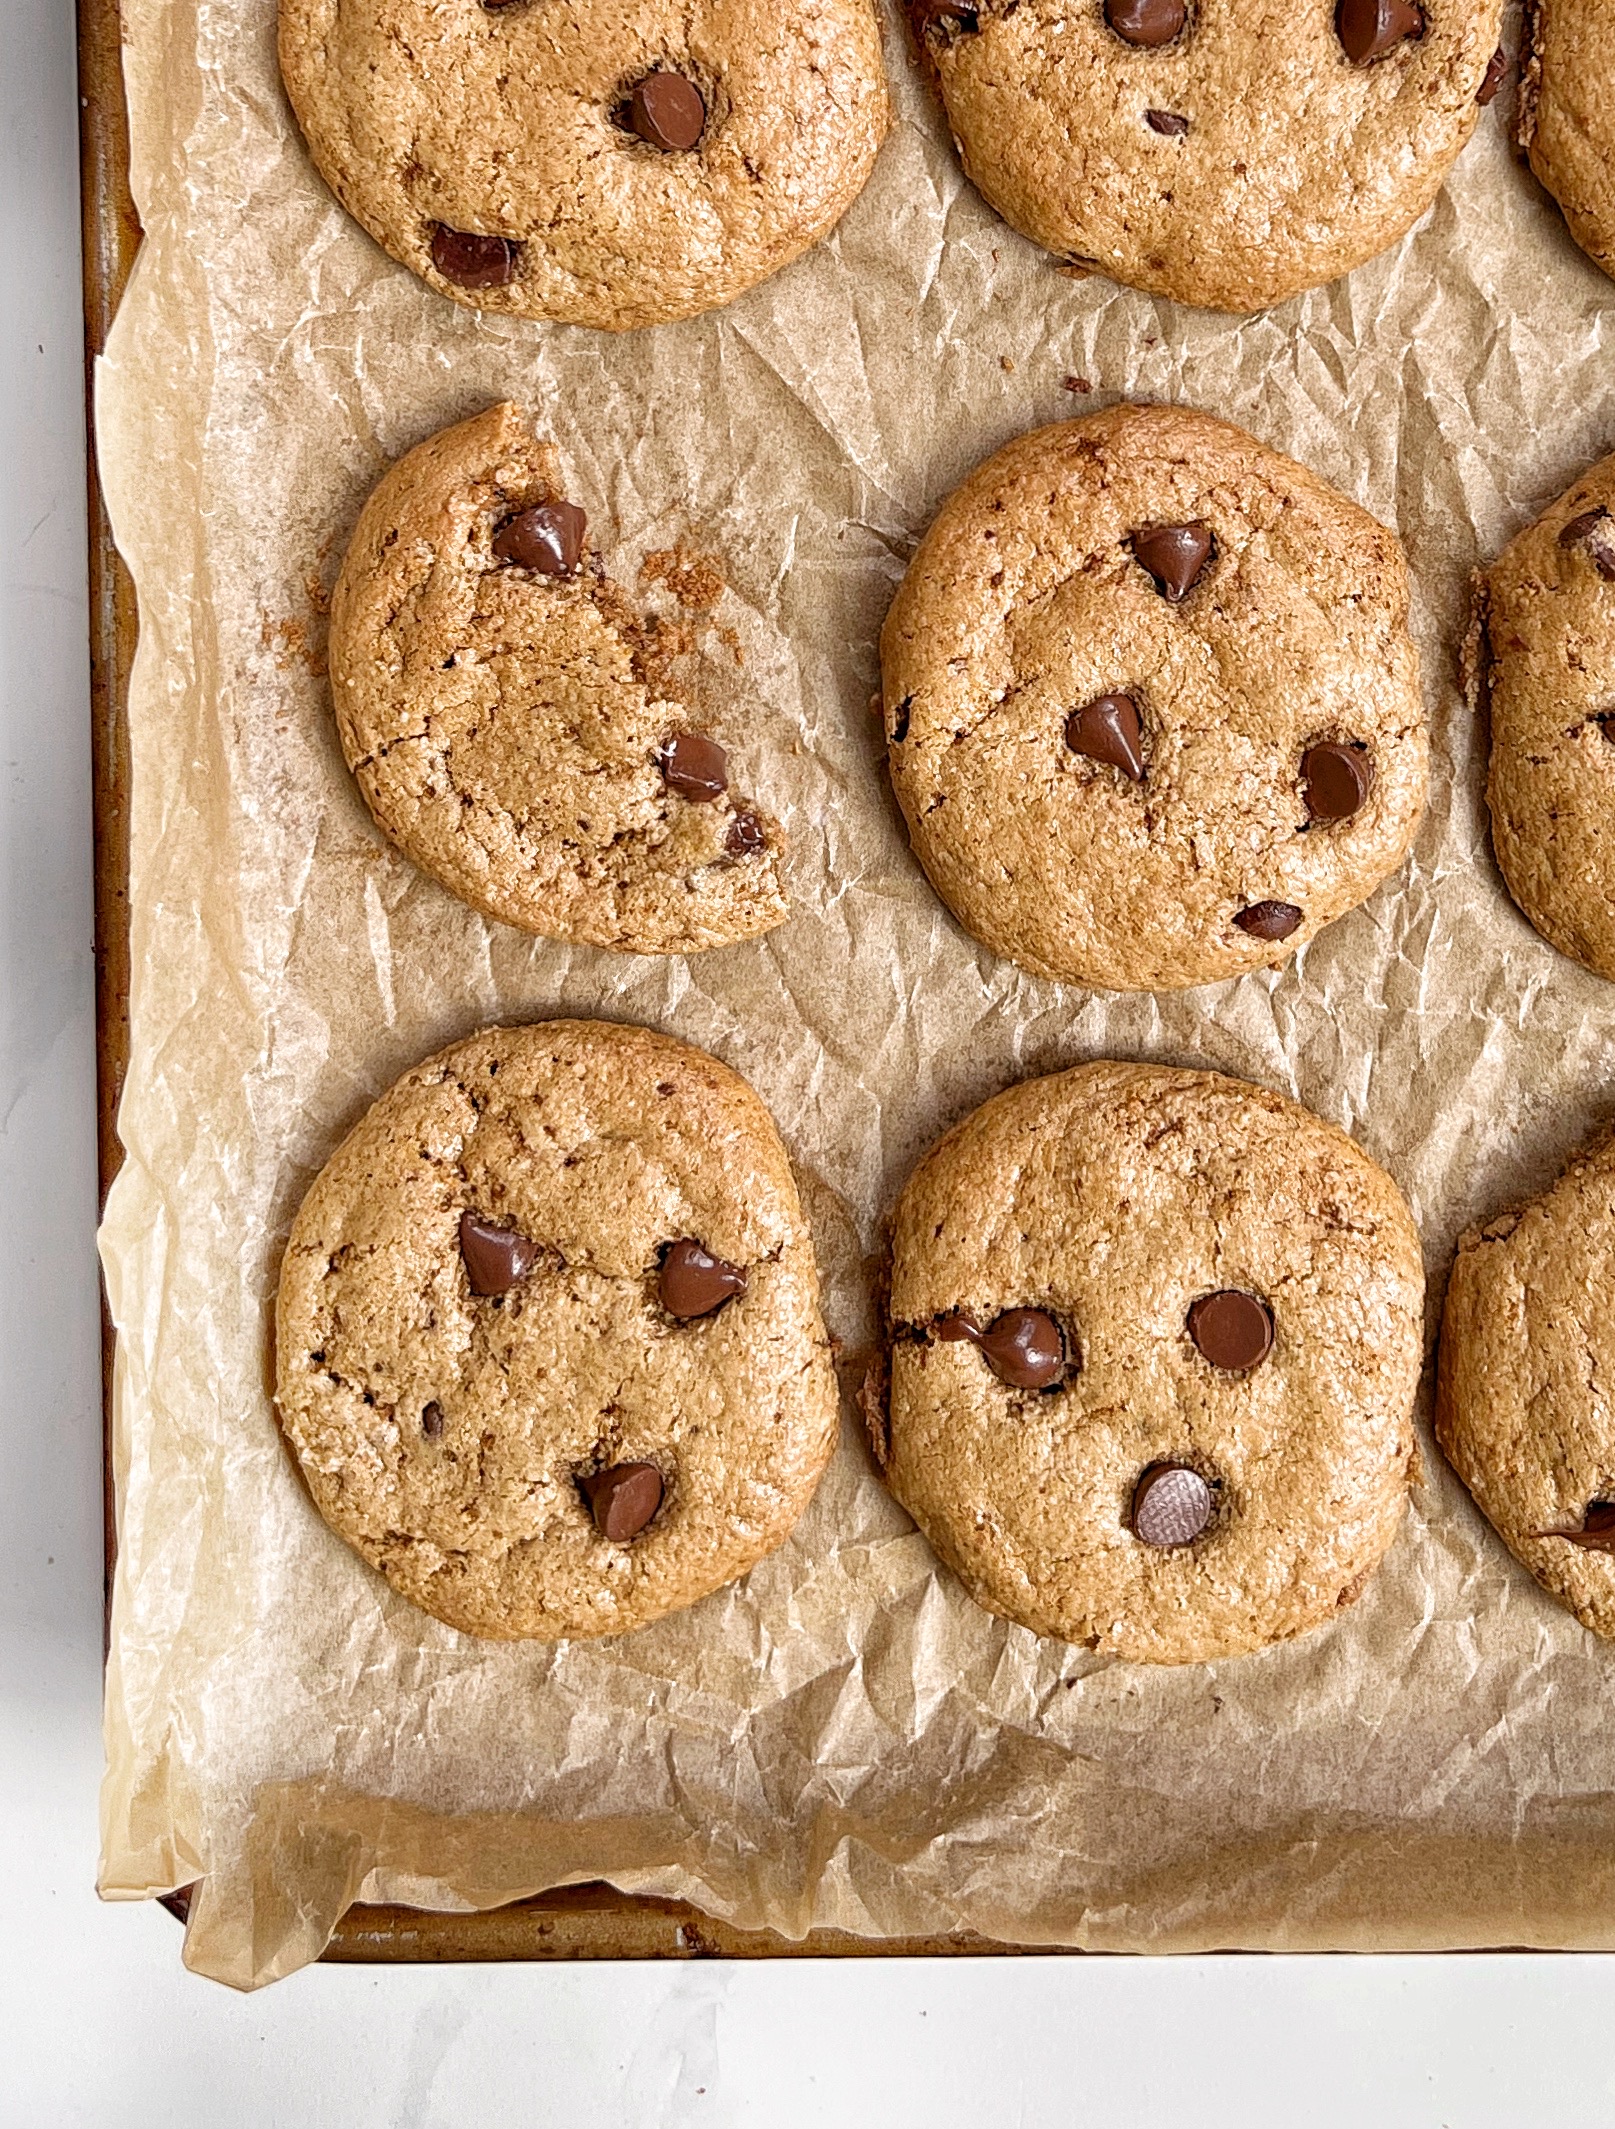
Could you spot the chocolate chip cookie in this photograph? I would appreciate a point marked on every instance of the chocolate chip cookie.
(1152, 708)
(1155, 1341)
(496, 707)
(1522, 1400)
(1545, 644)
(548, 1344)
(1567, 115)
(1222, 152)
(584, 160)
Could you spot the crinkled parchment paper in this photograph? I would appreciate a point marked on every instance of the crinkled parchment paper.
(845, 1739)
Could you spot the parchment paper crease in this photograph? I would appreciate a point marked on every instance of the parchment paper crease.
(844, 1740)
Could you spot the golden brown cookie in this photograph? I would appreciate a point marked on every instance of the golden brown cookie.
(1222, 152)
(1155, 1341)
(1567, 115)
(1152, 707)
(1523, 1396)
(1546, 615)
(548, 1343)
(496, 708)
(591, 161)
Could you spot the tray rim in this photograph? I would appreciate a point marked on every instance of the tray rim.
(590, 1921)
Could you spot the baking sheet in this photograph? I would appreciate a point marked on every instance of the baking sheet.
(845, 1740)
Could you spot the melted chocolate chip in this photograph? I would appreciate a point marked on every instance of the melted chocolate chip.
(941, 14)
(694, 1282)
(694, 767)
(1597, 1532)
(622, 1500)
(1268, 920)
(432, 1420)
(496, 1258)
(1492, 79)
(1171, 123)
(1233, 1330)
(1175, 556)
(1594, 530)
(1335, 780)
(1146, 22)
(1579, 527)
(1171, 1506)
(746, 836)
(1108, 730)
(1023, 1347)
(668, 111)
(1368, 29)
(548, 538)
(471, 260)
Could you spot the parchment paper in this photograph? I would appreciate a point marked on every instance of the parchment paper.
(845, 1739)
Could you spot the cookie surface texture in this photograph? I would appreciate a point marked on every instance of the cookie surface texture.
(1547, 612)
(1152, 709)
(584, 160)
(1522, 1411)
(1225, 153)
(477, 1350)
(502, 724)
(1238, 1290)
(1567, 116)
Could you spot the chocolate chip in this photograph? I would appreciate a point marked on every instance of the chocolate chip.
(1268, 920)
(1108, 729)
(1146, 22)
(1594, 530)
(746, 836)
(1368, 29)
(943, 14)
(432, 1420)
(667, 110)
(1232, 1329)
(1492, 79)
(1597, 1532)
(471, 260)
(622, 1500)
(1023, 1347)
(1172, 123)
(548, 538)
(694, 1282)
(1175, 556)
(1334, 780)
(695, 767)
(496, 1258)
(1171, 1506)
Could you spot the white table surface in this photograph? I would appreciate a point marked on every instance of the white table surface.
(99, 2023)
